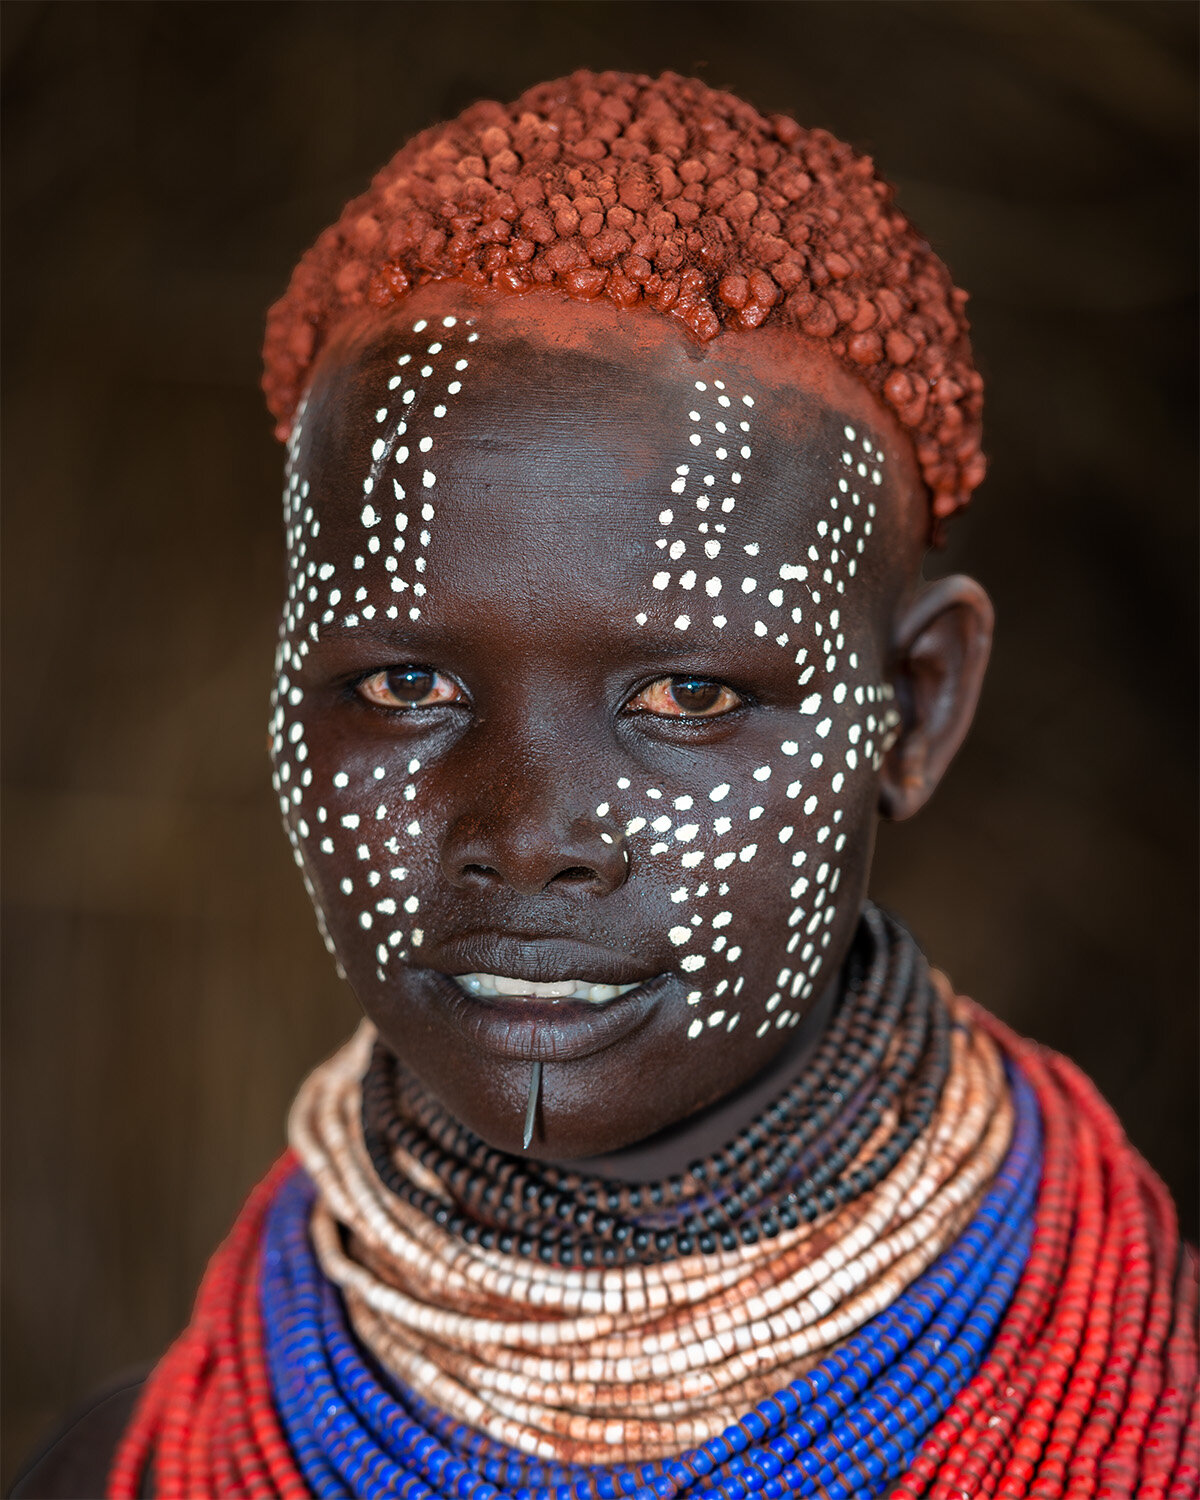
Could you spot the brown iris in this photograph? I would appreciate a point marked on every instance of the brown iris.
(408, 687)
(685, 698)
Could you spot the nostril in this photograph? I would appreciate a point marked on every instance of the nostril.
(485, 871)
(575, 874)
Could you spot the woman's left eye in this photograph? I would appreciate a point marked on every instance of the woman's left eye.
(685, 698)
(409, 687)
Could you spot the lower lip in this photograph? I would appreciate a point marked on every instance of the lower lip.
(537, 1030)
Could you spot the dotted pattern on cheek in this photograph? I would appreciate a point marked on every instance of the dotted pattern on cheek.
(396, 518)
(714, 832)
(292, 776)
(846, 728)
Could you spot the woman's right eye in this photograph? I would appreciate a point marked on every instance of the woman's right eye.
(409, 687)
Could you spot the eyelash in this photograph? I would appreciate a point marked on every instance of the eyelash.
(668, 686)
(413, 668)
(671, 685)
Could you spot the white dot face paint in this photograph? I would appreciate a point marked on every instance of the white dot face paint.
(418, 397)
(809, 592)
(550, 582)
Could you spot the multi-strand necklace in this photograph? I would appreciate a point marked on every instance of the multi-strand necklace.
(1000, 1308)
(481, 1284)
(571, 1363)
(884, 1055)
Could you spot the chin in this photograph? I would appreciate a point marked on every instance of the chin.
(588, 1106)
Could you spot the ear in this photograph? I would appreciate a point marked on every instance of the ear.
(941, 644)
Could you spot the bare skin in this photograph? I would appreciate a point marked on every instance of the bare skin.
(554, 704)
(540, 693)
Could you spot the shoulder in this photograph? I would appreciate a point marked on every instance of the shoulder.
(74, 1464)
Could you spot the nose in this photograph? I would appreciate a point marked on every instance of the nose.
(533, 847)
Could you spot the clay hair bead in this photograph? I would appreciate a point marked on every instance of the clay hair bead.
(615, 185)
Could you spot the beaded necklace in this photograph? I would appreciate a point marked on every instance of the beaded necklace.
(567, 1362)
(886, 1045)
(828, 1422)
(1048, 1349)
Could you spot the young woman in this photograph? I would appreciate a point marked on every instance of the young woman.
(619, 421)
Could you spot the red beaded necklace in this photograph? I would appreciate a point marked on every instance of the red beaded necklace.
(1089, 1390)
(1091, 1386)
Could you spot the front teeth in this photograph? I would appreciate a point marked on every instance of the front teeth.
(494, 985)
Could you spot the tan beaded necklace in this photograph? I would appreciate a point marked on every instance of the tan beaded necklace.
(569, 1363)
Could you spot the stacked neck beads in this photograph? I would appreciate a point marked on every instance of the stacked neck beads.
(1049, 1349)
(568, 1362)
(851, 1422)
(887, 1046)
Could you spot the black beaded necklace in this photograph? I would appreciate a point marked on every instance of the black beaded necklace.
(887, 1046)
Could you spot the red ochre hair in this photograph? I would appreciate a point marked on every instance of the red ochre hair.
(667, 192)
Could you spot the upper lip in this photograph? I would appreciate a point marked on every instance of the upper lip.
(538, 958)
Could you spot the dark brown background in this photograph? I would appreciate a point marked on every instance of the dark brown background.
(164, 165)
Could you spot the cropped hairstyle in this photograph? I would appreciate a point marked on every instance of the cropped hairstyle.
(669, 193)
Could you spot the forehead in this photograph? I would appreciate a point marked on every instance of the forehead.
(568, 432)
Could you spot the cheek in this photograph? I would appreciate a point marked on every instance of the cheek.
(363, 839)
(357, 830)
(758, 887)
(753, 866)
(747, 868)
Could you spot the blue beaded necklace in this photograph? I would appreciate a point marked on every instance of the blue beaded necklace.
(847, 1429)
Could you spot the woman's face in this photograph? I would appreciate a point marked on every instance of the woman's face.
(583, 691)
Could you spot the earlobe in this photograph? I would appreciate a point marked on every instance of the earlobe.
(941, 644)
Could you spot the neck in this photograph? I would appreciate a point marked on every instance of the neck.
(671, 1151)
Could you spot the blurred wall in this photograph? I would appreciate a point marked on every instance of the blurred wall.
(164, 164)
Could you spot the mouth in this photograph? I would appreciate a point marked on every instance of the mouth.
(584, 997)
(503, 986)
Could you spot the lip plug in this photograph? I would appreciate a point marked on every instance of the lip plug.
(535, 1081)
